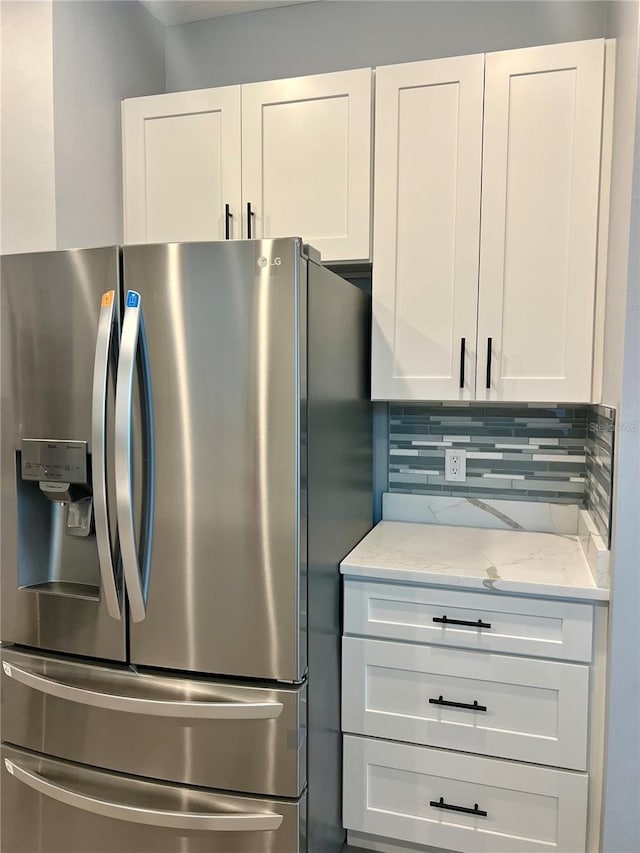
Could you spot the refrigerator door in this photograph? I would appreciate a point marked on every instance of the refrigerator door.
(224, 339)
(51, 806)
(217, 734)
(59, 336)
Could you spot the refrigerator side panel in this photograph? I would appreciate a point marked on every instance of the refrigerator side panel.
(52, 593)
(221, 322)
(340, 514)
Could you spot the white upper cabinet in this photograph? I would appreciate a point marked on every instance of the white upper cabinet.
(181, 164)
(428, 153)
(536, 157)
(279, 159)
(306, 161)
(540, 184)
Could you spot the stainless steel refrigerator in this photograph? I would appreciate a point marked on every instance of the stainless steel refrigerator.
(185, 458)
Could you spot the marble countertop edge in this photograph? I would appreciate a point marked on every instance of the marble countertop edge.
(413, 577)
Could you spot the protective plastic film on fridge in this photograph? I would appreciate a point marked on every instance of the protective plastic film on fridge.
(186, 456)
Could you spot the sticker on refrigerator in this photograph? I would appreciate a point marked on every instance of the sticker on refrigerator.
(107, 299)
(133, 299)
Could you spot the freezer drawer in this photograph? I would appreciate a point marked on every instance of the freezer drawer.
(51, 806)
(194, 731)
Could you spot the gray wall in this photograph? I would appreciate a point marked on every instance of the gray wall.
(102, 52)
(622, 779)
(27, 171)
(333, 36)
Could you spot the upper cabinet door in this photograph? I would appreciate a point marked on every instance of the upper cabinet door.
(540, 188)
(306, 161)
(181, 166)
(428, 147)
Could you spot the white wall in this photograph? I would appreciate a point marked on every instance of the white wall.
(333, 36)
(622, 778)
(27, 172)
(102, 52)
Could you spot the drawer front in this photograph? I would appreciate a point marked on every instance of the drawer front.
(526, 709)
(56, 807)
(214, 734)
(498, 623)
(397, 791)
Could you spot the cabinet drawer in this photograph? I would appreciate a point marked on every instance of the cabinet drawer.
(394, 790)
(528, 710)
(491, 622)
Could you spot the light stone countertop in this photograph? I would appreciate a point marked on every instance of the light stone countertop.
(512, 561)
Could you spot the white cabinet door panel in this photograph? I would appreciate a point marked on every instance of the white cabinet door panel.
(428, 146)
(498, 705)
(540, 182)
(182, 166)
(394, 790)
(306, 161)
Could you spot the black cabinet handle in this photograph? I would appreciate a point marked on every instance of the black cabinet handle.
(440, 804)
(446, 704)
(463, 343)
(489, 345)
(228, 216)
(444, 620)
(250, 214)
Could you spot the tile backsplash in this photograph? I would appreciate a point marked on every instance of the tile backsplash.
(599, 467)
(517, 451)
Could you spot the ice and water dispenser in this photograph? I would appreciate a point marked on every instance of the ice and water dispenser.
(57, 550)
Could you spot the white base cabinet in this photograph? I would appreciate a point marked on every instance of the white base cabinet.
(473, 721)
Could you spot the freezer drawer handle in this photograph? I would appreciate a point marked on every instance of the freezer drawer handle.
(150, 707)
(106, 323)
(444, 620)
(133, 344)
(224, 822)
(440, 804)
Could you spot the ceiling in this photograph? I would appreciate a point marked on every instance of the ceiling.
(170, 12)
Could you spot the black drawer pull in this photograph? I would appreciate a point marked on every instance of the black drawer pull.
(446, 704)
(440, 804)
(444, 620)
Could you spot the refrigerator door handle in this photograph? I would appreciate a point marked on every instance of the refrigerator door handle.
(99, 450)
(132, 343)
(76, 798)
(202, 710)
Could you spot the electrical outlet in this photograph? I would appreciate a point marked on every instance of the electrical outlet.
(455, 465)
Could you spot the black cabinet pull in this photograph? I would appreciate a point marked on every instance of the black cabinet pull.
(228, 216)
(489, 345)
(446, 704)
(463, 343)
(250, 214)
(440, 804)
(444, 620)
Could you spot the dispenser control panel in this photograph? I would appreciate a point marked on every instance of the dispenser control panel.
(54, 461)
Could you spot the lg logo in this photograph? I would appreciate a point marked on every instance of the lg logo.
(268, 262)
